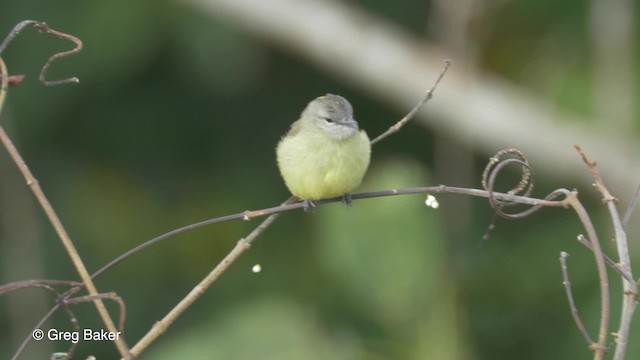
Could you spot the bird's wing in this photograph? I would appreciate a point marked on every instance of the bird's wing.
(295, 128)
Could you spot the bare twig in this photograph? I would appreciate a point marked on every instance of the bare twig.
(630, 288)
(32, 182)
(600, 347)
(161, 326)
(243, 245)
(572, 304)
(46, 284)
(397, 126)
(14, 33)
(570, 200)
(246, 215)
(43, 74)
(44, 28)
(27, 339)
(612, 264)
(111, 296)
(62, 300)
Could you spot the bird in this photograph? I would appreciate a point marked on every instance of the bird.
(325, 154)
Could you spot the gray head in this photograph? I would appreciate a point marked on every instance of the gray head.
(333, 115)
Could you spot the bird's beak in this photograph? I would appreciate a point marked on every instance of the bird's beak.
(352, 123)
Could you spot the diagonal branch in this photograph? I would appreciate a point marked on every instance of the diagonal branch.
(32, 182)
(630, 288)
(600, 348)
(572, 304)
(397, 126)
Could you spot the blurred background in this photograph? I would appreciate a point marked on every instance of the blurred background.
(175, 120)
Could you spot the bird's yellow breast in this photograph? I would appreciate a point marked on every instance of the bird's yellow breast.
(315, 167)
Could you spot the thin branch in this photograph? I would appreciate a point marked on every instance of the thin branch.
(76, 327)
(63, 301)
(630, 288)
(600, 347)
(184, 229)
(14, 33)
(290, 206)
(44, 28)
(7, 288)
(39, 325)
(161, 326)
(54, 219)
(43, 74)
(44, 319)
(397, 126)
(572, 304)
(110, 295)
(612, 264)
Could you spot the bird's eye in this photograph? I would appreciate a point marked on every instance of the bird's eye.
(329, 120)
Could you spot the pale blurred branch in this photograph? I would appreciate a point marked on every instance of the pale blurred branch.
(612, 30)
(390, 64)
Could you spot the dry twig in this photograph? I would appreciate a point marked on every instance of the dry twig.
(44, 28)
(32, 182)
(630, 287)
(572, 304)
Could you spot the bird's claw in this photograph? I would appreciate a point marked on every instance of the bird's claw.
(308, 206)
(347, 200)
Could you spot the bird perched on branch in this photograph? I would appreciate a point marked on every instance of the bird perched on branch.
(325, 154)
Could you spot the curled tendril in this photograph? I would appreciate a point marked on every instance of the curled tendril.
(496, 164)
(526, 180)
(524, 188)
(44, 28)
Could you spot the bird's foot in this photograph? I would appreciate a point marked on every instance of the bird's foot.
(347, 200)
(308, 206)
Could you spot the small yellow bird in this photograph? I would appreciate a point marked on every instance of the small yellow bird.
(324, 154)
